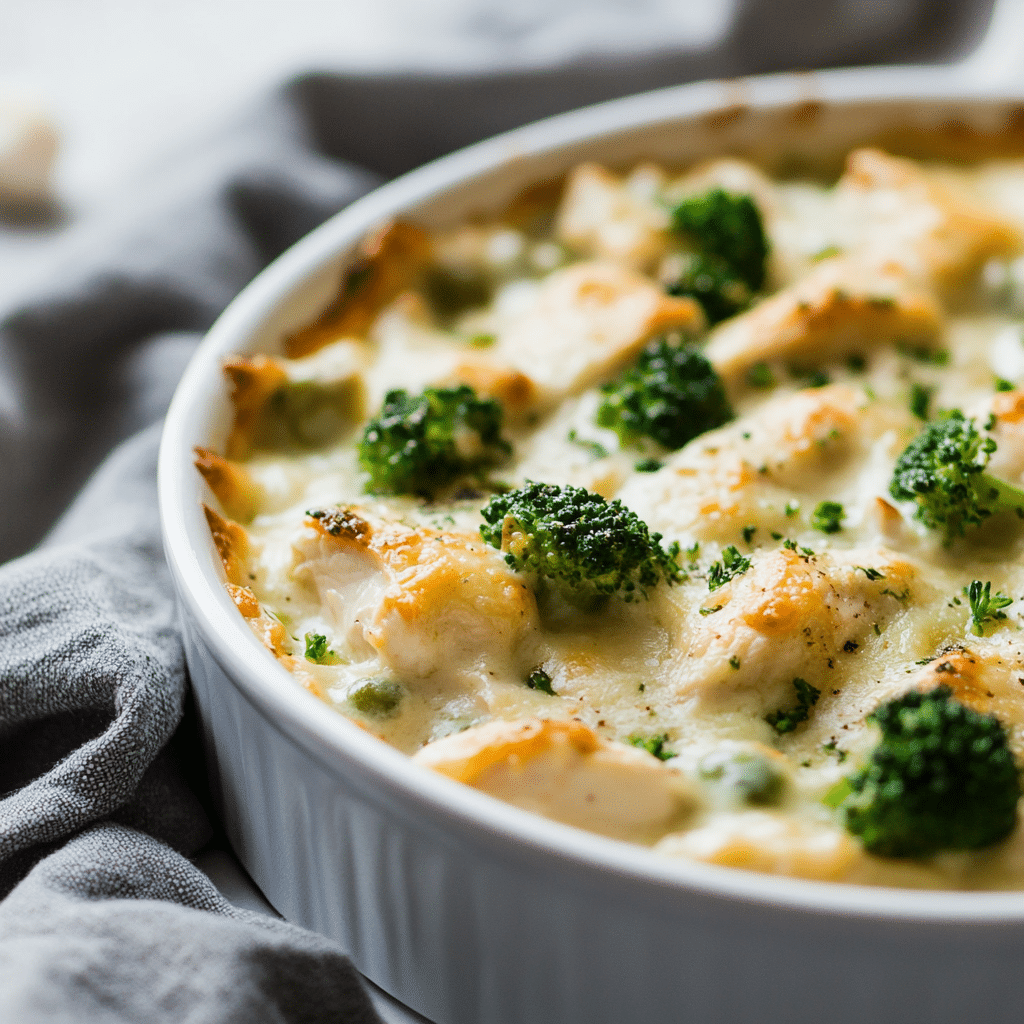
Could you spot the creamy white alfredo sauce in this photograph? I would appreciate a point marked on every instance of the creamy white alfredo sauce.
(896, 292)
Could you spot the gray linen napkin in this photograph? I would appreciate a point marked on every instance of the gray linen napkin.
(102, 916)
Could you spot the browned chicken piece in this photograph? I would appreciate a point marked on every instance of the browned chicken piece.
(587, 322)
(513, 388)
(790, 615)
(728, 477)
(769, 841)
(387, 262)
(419, 599)
(843, 306)
(935, 232)
(1007, 462)
(565, 771)
(231, 542)
(236, 491)
(612, 218)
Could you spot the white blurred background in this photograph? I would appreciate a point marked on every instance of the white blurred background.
(126, 80)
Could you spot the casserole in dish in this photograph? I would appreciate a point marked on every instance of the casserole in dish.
(437, 890)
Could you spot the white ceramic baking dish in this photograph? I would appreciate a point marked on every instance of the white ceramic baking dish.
(469, 910)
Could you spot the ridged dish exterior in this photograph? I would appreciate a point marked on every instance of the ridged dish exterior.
(472, 912)
(481, 934)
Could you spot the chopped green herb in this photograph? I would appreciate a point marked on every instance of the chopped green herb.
(1005, 385)
(710, 611)
(923, 354)
(791, 509)
(731, 565)
(596, 449)
(653, 745)
(920, 399)
(734, 662)
(760, 376)
(828, 517)
(648, 466)
(787, 720)
(538, 679)
(748, 533)
(872, 574)
(837, 795)
(827, 253)
(985, 606)
(483, 340)
(316, 648)
(831, 748)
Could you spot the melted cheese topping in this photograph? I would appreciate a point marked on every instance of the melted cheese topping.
(899, 277)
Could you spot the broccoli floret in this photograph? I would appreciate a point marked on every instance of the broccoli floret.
(712, 282)
(671, 395)
(729, 227)
(417, 445)
(941, 778)
(586, 548)
(943, 470)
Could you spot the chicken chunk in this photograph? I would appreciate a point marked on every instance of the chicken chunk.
(841, 307)
(986, 676)
(612, 218)
(584, 324)
(734, 475)
(904, 213)
(236, 491)
(232, 544)
(423, 601)
(565, 771)
(771, 842)
(387, 262)
(791, 615)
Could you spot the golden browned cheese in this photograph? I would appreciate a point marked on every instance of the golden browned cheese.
(229, 481)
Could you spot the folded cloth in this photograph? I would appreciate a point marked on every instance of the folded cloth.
(102, 916)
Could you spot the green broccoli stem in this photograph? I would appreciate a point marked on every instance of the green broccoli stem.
(1004, 496)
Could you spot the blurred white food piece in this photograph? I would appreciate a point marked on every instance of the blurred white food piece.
(28, 149)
